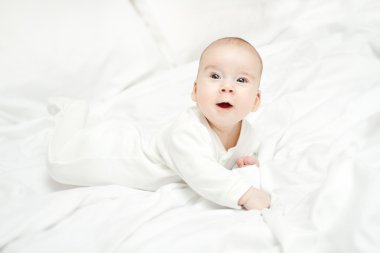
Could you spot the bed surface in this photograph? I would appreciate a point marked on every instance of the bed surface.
(319, 123)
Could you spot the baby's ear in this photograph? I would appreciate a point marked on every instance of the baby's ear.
(194, 93)
(257, 102)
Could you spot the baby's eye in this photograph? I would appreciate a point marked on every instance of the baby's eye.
(215, 76)
(242, 80)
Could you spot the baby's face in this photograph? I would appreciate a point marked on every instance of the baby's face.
(226, 89)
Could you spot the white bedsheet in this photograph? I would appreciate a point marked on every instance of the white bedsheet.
(320, 128)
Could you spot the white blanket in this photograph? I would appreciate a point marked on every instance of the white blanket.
(320, 128)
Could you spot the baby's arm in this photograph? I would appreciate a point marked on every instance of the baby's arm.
(179, 144)
(254, 198)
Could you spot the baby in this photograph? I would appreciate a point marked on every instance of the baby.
(200, 147)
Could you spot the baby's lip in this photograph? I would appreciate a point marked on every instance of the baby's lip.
(224, 105)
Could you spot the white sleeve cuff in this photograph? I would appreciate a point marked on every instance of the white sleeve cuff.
(236, 191)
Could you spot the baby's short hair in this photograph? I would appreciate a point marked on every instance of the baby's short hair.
(236, 41)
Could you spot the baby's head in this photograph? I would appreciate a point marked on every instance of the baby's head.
(228, 79)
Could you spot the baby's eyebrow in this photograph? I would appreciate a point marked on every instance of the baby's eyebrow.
(210, 67)
(207, 67)
(248, 74)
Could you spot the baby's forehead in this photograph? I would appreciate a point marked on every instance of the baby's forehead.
(215, 53)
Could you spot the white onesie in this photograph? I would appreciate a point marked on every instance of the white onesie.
(113, 153)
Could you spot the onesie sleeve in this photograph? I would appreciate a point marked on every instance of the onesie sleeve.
(188, 151)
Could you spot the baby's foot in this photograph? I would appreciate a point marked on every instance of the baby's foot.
(59, 104)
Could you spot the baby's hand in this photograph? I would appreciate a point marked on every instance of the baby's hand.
(255, 199)
(247, 160)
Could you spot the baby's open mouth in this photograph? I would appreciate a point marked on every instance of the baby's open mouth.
(224, 105)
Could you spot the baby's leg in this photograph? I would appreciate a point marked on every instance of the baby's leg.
(109, 153)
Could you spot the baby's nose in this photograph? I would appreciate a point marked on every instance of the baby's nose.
(226, 90)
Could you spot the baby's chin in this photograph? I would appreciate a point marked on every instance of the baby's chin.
(224, 122)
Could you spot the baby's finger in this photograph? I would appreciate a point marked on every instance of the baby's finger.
(240, 163)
